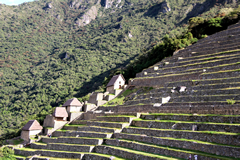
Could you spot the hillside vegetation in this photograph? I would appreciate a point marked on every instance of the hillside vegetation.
(53, 50)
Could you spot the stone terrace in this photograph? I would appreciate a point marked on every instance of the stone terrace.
(201, 120)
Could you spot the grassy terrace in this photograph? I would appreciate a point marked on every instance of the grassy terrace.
(201, 56)
(179, 150)
(75, 125)
(181, 114)
(196, 69)
(144, 153)
(171, 130)
(131, 116)
(202, 80)
(182, 74)
(197, 141)
(86, 132)
(52, 158)
(183, 139)
(110, 122)
(165, 121)
(103, 127)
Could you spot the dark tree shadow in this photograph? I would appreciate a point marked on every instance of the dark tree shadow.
(153, 11)
(198, 9)
(96, 81)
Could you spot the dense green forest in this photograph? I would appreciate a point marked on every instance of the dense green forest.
(50, 51)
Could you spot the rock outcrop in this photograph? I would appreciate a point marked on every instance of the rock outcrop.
(90, 15)
(165, 7)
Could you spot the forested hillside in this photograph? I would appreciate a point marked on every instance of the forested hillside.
(54, 50)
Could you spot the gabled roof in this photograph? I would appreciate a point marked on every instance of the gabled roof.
(72, 102)
(114, 79)
(60, 112)
(32, 125)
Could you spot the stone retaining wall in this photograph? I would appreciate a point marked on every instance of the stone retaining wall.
(196, 118)
(187, 126)
(150, 149)
(200, 108)
(48, 153)
(208, 148)
(194, 135)
(80, 134)
(73, 140)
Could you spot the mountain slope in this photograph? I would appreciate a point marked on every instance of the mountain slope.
(53, 50)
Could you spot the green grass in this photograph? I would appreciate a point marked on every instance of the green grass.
(231, 101)
(119, 100)
(108, 156)
(75, 125)
(53, 158)
(40, 143)
(117, 116)
(17, 141)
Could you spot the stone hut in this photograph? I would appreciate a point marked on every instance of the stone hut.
(60, 114)
(117, 82)
(73, 105)
(32, 128)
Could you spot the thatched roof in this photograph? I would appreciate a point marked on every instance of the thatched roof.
(60, 112)
(72, 102)
(32, 125)
(114, 79)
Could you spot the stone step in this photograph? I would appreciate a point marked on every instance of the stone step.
(156, 149)
(193, 91)
(98, 156)
(81, 134)
(116, 118)
(223, 35)
(193, 117)
(73, 127)
(210, 66)
(160, 80)
(194, 61)
(208, 136)
(186, 107)
(100, 129)
(48, 153)
(204, 82)
(234, 26)
(188, 98)
(187, 125)
(64, 147)
(129, 153)
(74, 140)
(212, 148)
(206, 98)
(48, 158)
(19, 157)
(79, 122)
(187, 55)
(108, 124)
(197, 66)
(123, 113)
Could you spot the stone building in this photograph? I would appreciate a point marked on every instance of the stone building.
(117, 82)
(32, 128)
(60, 114)
(73, 105)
